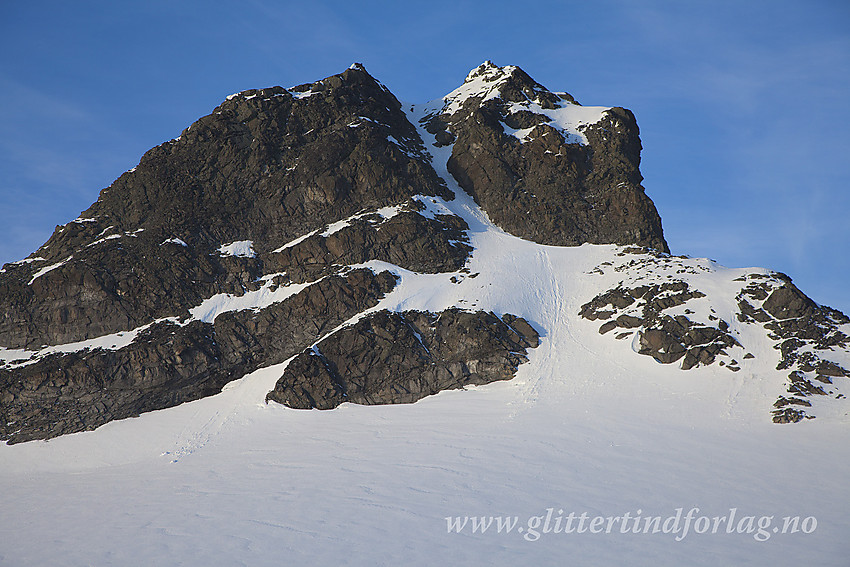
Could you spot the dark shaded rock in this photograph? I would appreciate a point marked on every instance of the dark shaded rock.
(308, 383)
(118, 284)
(749, 313)
(408, 240)
(802, 386)
(619, 298)
(389, 357)
(787, 302)
(629, 321)
(550, 189)
(265, 166)
(699, 355)
(271, 335)
(60, 394)
(667, 339)
(605, 327)
(827, 368)
(782, 402)
(789, 415)
(169, 364)
(661, 345)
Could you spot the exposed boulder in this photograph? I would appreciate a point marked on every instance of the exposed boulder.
(390, 358)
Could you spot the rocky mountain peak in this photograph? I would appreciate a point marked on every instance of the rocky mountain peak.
(297, 224)
(491, 82)
(544, 167)
(488, 68)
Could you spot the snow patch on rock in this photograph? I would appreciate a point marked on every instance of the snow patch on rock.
(239, 248)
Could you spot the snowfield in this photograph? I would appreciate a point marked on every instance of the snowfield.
(587, 427)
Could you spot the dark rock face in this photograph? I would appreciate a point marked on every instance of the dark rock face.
(410, 240)
(273, 189)
(551, 187)
(265, 166)
(169, 363)
(392, 357)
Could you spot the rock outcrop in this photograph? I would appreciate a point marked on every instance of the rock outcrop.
(395, 358)
(806, 334)
(656, 308)
(172, 362)
(542, 166)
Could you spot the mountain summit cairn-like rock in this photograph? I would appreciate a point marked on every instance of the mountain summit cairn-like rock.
(310, 225)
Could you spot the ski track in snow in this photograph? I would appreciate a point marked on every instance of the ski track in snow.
(586, 425)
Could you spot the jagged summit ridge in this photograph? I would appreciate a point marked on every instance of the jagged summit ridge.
(526, 98)
(489, 81)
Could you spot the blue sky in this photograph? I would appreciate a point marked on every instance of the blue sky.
(743, 106)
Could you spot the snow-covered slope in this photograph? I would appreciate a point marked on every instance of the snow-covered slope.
(588, 426)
